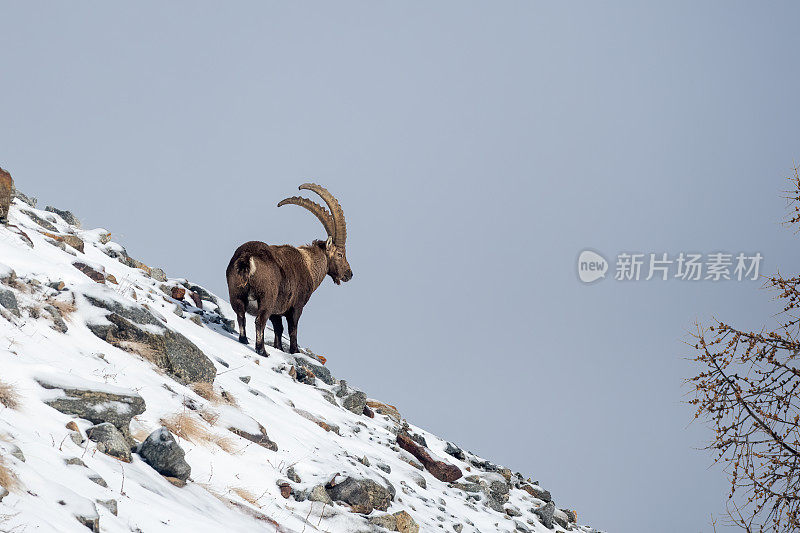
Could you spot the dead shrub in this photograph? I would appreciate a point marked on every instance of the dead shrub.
(8, 479)
(246, 495)
(206, 390)
(9, 395)
(190, 428)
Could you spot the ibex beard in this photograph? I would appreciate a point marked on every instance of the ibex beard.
(271, 282)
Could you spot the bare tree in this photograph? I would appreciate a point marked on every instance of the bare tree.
(748, 391)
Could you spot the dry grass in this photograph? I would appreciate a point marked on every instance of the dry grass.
(65, 308)
(8, 479)
(190, 428)
(9, 395)
(141, 349)
(246, 495)
(209, 415)
(206, 390)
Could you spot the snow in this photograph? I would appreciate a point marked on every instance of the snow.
(225, 466)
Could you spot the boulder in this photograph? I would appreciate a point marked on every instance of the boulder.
(362, 495)
(110, 441)
(158, 274)
(68, 217)
(169, 350)
(262, 439)
(454, 451)
(439, 469)
(355, 403)
(319, 494)
(95, 402)
(94, 273)
(538, 492)
(161, 451)
(178, 292)
(9, 301)
(406, 524)
(545, 514)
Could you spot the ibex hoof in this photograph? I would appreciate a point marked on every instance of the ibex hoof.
(261, 351)
(243, 340)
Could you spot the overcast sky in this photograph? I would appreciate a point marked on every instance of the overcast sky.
(477, 149)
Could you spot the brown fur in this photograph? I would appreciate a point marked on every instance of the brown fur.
(277, 281)
(6, 191)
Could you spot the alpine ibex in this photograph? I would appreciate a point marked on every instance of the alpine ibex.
(277, 281)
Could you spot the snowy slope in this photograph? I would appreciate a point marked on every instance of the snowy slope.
(234, 483)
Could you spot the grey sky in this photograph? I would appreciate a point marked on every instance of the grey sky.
(476, 148)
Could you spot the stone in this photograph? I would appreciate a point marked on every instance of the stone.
(406, 524)
(171, 351)
(538, 492)
(244, 379)
(341, 391)
(454, 451)
(387, 521)
(319, 371)
(285, 488)
(319, 494)
(9, 300)
(198, 302)
(362, 495)
(292, 475)
(162, 452)
(111, 505)
(262, 439)
(178, 292)
(203, 294)
(110, 441)
(545, 514)
(439, 469)
(368, 412)
(12, 450)
(303, 374)
(39, 220)
(95, 402)
(3, 493)
(7, 274)
(384, 467)
(68, 217)
(97, 478)
(94, 275)
(572, 516)
(58, 321)
(158, 274)
(385, 409)
(90, 519)
(6, 192)
(355, 403)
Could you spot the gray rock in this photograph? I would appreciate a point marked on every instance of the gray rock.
(30, 200)
(110, 441)
(136, 314)
(458, 528)
(262, 439)
(170, 351)
(386, 468)
(245, 379)
(96, 404)
(387, 521)
(319, 494)
(363, 495)
(58, 321)
(319, 371)
(204, 294)
(292, 475)
(304, 374)
(111, 505)
(158, 274)
(164, 455)
(341, 391)
(545, 514)
(454, 451)
(418, 479)
(519, 526)
(68, 217)
(12, 450)
(97, 478)
(39, 220)
(9, 301)
(3, 493)
(76, 461)
(493, 504)
(7, 274)
(355, 403)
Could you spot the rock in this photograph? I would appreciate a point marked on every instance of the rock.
(9, 300)
(292, 475)
(494, 505)
(178, 292)
(203, 294)
(319, 494)
(158, 274)
(458, 528)
(198, 302)
(385, 409)
(170, 351)
(162, 452)
(7, 274)
(110, 441)
(175, 481)
(95, 402)
(285, 488)
(418, 479)
(368, 412)
(197, 319)
(355, 403)
(454, 451)
(387, 521)
(572, 516)
(57, 285)
(39, 220)
(6, 192)
(384, 467)
(244, 379)
(30, 200)
(12, 450)
(262, 439)
(90, 519)
(58, 321)
(341, 391)
(68, 217)
(319, 371)
(75, 461)
(545, 514)
(111, 505)
(406, 524)
(439, 469)
(362, 495)
(97, 478)
(303, 374)
(3, 493)
(93, 274)
(538, 492)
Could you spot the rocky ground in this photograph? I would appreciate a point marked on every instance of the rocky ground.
(127, 404)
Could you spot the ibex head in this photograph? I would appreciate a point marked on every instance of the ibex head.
(334, 223)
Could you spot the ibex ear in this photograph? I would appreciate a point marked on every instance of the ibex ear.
(329, 243)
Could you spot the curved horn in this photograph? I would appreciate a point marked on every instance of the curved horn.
(320, 212)
(339, 224)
